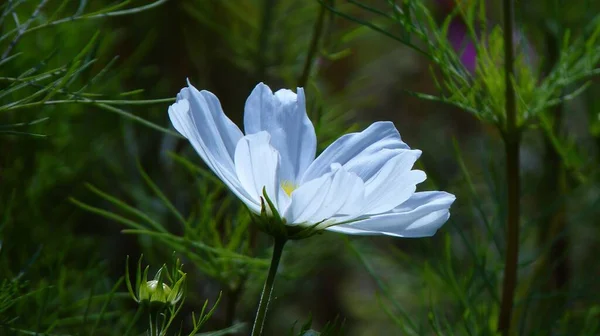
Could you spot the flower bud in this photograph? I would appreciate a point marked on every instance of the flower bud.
(151, 292)
(156, 291)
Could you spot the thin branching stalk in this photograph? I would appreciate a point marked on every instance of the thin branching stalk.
(96, 15)
(511, 142)
(23, 28)
(265, 297)
(314, 44)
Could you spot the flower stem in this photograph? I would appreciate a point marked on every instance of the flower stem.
(265, 297)
(512, 143)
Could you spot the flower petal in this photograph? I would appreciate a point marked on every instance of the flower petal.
(256, 165)
(363, 153)
(218, 132)
(393, 184)
(344, 196)
(307, 199)
(336, 193)
(283, 115)
(198, 116)
(420, 216)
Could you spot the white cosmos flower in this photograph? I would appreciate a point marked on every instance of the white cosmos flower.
(363, 183)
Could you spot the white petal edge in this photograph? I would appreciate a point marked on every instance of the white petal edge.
(420, 216)
(363, 153)
(218, 132)
(283, 115)
(393, 184)
(182, 118)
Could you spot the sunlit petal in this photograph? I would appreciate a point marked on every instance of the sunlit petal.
(283, 115)
(213, 139)
(393, 184)
(363, 153)
(420, 216)
(256, 165)
(337, 192)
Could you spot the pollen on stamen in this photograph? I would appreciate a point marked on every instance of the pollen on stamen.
(288, 187)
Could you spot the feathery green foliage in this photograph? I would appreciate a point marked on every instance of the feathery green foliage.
(91, 170)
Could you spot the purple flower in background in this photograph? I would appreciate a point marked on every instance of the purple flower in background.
(463, 44)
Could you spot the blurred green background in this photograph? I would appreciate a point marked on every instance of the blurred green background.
(59, 262)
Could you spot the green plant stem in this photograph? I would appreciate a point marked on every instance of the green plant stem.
(133, 321)
(511, 142)
(233, 295)
(554, 223)
(552, 235)
(557, 176)
(312, 50)
(265, 297)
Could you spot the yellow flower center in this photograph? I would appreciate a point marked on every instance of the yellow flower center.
(288, 187)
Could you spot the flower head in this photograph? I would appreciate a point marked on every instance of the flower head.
(363, 183)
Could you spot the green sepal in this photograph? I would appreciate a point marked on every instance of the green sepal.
(273, 224)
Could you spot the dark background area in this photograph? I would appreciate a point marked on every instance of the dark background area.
(58, 261)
